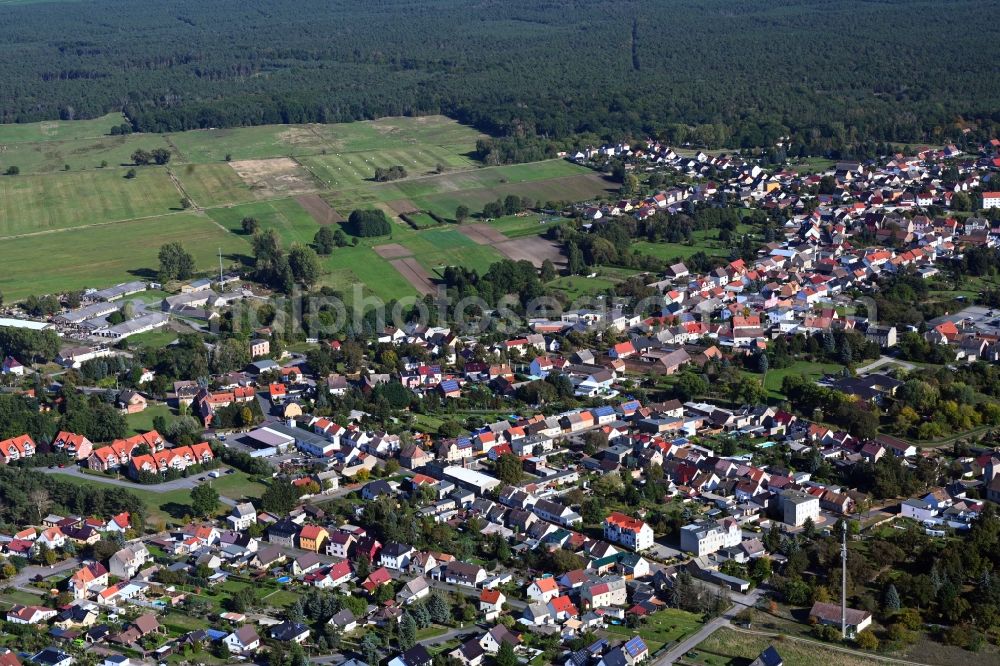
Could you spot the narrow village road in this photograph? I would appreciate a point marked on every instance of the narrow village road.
(740, 602)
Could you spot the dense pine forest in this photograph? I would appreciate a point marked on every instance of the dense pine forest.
(711, 72)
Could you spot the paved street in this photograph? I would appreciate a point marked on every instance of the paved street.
(165, 487)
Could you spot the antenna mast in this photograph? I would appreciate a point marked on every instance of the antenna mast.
(220, 267)
(843, 579)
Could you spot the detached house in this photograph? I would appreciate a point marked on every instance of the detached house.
(627, 531)
(16, 448)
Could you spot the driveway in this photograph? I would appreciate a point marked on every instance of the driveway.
(884, 360)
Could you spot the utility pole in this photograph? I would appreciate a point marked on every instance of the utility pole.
(843, 579)
(220, 268)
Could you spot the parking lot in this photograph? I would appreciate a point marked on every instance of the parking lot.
(973, 318)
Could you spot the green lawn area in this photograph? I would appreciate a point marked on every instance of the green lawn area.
(814, 371)
(12, 596)
(430, 632)
(104, 255)
(143, 421)
(169, 507)
(161, 337)
(432, 248)
(238, 485)
(422, 220)
(247, 143)
(728, 647)
(575, 286)
(48, 202)
(662, 627)
(111, 228)
(281, 598)
(812, 165)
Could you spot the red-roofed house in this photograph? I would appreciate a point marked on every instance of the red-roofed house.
(627, 531)
(16, 448)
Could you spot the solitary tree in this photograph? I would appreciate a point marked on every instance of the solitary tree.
(324, 240)
(204, 499)
(304, 264)
(461, 213)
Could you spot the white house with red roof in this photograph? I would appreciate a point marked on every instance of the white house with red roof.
(543, 589)
(16, 448)
(630, 532)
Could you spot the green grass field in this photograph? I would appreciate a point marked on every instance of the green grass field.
(660, 628)
(58, 130)
(170, 507)
(728, 647)
(286, 216)
(575, 286)
(30, 204)
(678, 251)
(814, 371)
(247, 143)
(143, 421)
(80, 154)
(91, 227)
(213, 184)
(102, 255)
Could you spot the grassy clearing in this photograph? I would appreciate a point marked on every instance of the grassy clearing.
(285, 216)
(422, 220)
(437, 152)
(728, 646)
(107, 254)
(14, 596)
(49, 202)
(143, 421)
(813, 165)
(814, 371)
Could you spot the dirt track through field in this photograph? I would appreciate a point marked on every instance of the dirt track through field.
(392, 251)
(415, 274)
(528, 248)
(402, 206)
(319, 209)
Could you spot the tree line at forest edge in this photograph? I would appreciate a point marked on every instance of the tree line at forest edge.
(533, 75)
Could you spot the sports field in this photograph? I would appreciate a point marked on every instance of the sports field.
(90, 226)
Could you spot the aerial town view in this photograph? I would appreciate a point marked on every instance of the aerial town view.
(499, 333)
